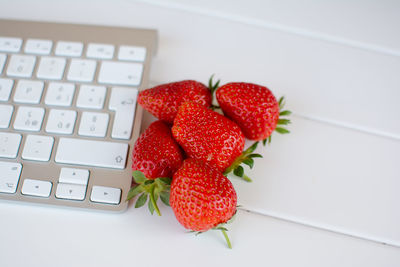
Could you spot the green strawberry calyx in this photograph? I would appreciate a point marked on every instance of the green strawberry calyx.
(247, 158)
(213, 87)
(282, 122)
(149, 189)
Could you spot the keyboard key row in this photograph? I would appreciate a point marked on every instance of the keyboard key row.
(72, 185)
(80, 70)
(72, 49)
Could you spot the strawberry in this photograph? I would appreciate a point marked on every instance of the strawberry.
(206, 135)
(164, 100)
(155, 158)
(254, 108)
(202, 198)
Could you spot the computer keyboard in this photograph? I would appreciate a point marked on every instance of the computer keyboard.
(68, 113)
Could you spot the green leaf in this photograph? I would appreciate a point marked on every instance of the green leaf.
(255, 156)
(134, 191)
(252, 148)
(281, 130)
(285, 113)
(147, 182)
(164, 196)
(283, 121)
(269, 139)
(239, 171)
(139, 177)
(249, 162)
(281, 104)
(165, 180)
(141, 200)
(151, 207)
(265, 141)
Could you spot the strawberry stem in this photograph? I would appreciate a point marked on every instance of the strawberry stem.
(228, 242)
(153, 201)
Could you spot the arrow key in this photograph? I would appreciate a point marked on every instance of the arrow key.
(106, 195)
(71, 191)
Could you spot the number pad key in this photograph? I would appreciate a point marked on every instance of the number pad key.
(29, 92)
(29, 119)
(38, 148)
(93, 124)
(10, 173)
(61, 121)
(60, 94)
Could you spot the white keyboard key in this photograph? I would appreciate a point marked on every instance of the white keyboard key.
(28, 91)
(91, 96)
(69, 49)
(60, 94)
(21, 66)
(9, 145)
(100, 51)
(6, 86)
(71, 191)
(123, 102)
(120, 73)
(51, 68)
(107, 195)
(9, 176)
(38, 46)
(132, 53)
(38, 148)
(29, 118)
(93, 124)
(61, 121)
(74, 176)
(91, 153)
(81, 70)
(36, 188)
(10, 44)
(2, 62)
(6, 112)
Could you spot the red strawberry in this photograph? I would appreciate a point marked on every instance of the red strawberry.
(204, 134)
(155, 156)
(254, 108)
(164, 100)
(201, 197)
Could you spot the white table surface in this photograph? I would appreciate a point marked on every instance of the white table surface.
(325, 195)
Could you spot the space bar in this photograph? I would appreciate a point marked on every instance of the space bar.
(92, 153)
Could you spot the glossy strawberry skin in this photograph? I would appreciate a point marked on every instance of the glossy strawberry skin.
(206, 135)
(156, 153)
(164, 100)
(201, 197)
(253, 107)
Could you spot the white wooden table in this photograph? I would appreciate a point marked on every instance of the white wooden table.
(325, 195)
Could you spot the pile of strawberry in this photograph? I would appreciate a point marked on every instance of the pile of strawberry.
(184, 157)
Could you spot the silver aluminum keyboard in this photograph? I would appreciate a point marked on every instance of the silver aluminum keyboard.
(68, 113)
